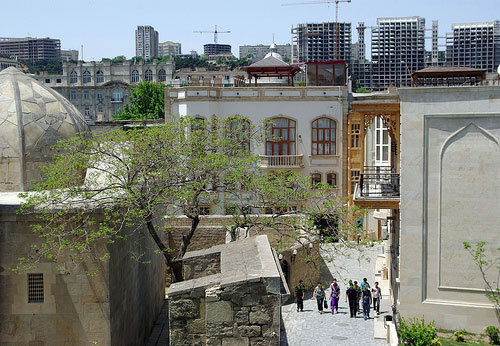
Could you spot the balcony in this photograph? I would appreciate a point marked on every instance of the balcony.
(378, 188)
(116, 99)
(281, 161)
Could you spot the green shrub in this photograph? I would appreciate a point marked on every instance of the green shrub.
(459, 336)
(492, 333)
(416, 332)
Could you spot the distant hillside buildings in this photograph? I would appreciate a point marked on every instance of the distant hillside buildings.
(146, 42)
(31, 49)
(259, 51)
(474, 45)
(169, 48)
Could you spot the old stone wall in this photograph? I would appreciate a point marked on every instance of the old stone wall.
(115, 306)
(200, 266)
(305, 265)
(239, 314)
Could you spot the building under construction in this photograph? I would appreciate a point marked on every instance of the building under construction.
(398, 49)
(31, 49)
(475, 45)
(318, 42)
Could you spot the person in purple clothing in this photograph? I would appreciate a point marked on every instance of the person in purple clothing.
(335, 296)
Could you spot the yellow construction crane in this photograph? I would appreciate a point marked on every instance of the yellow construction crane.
(215, 32)
(336, 2)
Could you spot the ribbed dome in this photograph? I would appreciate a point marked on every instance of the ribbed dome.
(33, 118)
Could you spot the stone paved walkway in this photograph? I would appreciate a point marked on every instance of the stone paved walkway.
(311, 328)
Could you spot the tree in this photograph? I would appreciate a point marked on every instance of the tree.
(130, 176)
(485, 264)
(147, 102)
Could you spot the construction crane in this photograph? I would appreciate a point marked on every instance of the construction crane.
(215, 32)
(336, 2)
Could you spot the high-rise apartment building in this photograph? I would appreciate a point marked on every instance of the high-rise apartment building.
(398, 49)
(216, 49)
(474, 45)
(318, 42)
(169, 48)
(260, 51)
(31, 49)
(146, 42)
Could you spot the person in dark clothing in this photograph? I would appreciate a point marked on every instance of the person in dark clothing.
(299, 295)
(358, 289)
(366, 298)
(352, 296)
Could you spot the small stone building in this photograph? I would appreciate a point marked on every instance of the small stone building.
(116, 306)
(231, 295)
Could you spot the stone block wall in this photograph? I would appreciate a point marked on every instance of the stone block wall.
(117, 305)
(306, 266)
(239, 314)
(200, 266)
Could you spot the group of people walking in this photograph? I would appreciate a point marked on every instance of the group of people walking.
(354, 294)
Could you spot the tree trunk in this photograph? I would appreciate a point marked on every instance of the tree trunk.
(164, 250)
(186, 238)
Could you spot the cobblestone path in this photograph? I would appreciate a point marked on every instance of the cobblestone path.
(311, 328)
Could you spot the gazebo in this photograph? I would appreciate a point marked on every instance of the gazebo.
(272, 66)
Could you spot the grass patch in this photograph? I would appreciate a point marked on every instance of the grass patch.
(448, 339)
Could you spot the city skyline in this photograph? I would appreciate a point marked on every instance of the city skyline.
(103, 35)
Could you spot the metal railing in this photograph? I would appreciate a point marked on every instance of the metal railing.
(379, 184)
(281, 160)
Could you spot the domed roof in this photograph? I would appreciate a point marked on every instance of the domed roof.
(273, 51)
(33, 118)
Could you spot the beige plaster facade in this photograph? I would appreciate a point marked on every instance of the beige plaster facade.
(450, 163)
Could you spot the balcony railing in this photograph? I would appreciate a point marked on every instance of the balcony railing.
(379, 182)
(117, 99)
(281, 161)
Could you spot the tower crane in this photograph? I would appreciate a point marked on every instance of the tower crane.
(336, 2)
(215, 32)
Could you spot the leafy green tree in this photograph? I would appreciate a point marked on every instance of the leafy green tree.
(50, 66)
(118, 59)
(147, 101)
(131, 176)
(487, 264)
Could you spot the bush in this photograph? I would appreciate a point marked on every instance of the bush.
(492, 333)
(416, 332)
(459, 336)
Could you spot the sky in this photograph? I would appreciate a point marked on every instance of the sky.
(107, 28)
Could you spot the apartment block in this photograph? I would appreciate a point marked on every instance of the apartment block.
(259, 51)
(318, 42)
(474, 45)
(146, 42)
(398, 49)
(216, 49)
(31, 49)
(169, 48)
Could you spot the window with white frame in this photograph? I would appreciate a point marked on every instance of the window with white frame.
(86, 94)
(382, 143)
(73, 95)
(148, 75)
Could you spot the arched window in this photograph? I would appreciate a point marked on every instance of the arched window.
(162, 75)
(331, 179)
(324, 137)
(117, 95)
(99, 77)
(148, 75)
(73, 77)
(135, 77)
(86, 77)
(315, 179)
(280, 137)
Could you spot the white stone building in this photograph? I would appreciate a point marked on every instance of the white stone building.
(450, 161)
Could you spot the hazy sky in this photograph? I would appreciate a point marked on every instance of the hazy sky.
(107, 28)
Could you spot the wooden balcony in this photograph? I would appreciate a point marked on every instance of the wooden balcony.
(281, 161)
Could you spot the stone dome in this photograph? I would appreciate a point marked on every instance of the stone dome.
(33, 118)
